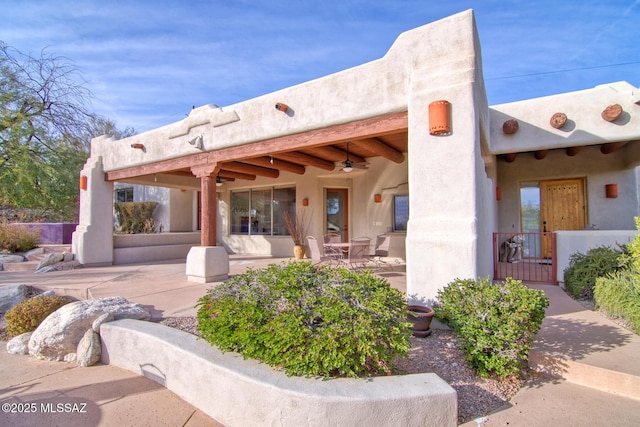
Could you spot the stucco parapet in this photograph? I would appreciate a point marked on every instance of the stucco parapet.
(374, 89)
(584, 125)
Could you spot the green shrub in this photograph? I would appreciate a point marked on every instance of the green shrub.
(135, 217)
(580, 277)
(308, 321)
(15, 238)
(27, 315)
(634, 248)
(496, 322)
(618, 295)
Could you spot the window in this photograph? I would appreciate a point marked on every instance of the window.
(284, 200)
(124, 195)
(400, 212)
(260, 211)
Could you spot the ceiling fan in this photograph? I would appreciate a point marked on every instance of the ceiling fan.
(348, 165)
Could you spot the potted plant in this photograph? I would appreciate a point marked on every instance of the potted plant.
(295, 225)
(420, 316)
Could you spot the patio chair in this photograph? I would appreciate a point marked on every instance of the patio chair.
(333, 252)
(383, 242)
(359, 253)
(314, 248)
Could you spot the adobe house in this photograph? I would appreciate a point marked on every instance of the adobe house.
(449, 188)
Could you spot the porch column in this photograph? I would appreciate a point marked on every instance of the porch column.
(92, 240)
(208, 262)
(209, 205)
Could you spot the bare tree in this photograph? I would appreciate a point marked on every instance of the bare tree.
(45, 131)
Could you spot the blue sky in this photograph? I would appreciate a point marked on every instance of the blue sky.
(148, 62)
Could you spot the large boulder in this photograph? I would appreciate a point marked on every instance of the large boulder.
(11, 295)
(60, 333)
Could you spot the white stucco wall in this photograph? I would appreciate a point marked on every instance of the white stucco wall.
(599, 170)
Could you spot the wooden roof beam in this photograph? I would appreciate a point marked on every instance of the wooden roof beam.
(540, 154)
(305, 159)
(334, 154)
(250, 169)
(232, 176)
(572, 151)
(612, 146)
(270, 162)
(380, 148)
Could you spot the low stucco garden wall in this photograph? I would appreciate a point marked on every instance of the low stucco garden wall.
(239, 392)
(138, 248)
(571, 242)
(51, 233)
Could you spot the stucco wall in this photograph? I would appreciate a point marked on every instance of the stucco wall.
(599, 170)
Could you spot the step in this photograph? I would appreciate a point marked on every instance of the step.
(20, 266)
(586, 375)
(585, 348)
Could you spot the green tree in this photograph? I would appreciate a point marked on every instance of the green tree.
(45, 132)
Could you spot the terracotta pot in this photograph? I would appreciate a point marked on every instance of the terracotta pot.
(421, 317)
(298, 251)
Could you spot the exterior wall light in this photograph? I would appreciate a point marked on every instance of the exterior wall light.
(377, 198)
(137, 146)
(440, 117)
(305, 202)
(611, 190)
(498, 193)
(83, 182)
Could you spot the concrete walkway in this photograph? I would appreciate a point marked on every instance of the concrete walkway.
(596, 360)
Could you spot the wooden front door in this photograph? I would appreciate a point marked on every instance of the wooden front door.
(562, 207)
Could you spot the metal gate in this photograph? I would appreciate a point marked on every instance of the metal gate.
(520, 256)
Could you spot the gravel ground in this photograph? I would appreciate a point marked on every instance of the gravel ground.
(438, 353)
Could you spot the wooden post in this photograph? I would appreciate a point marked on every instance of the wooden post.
(209, 211)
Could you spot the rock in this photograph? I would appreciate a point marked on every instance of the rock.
(89, 349)
(11, 295)
(107, 317)
(19, 344)
(49, 293)
(67, 256)
(60, 266)
(33, 254)
(67, 265)
(8, 259)
(71, 358)
(60, 333)
(51, 259)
